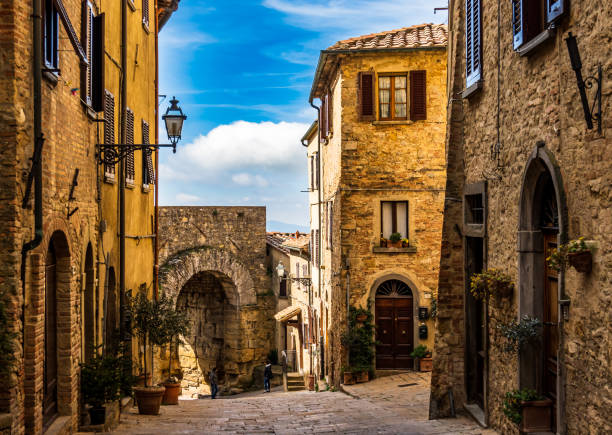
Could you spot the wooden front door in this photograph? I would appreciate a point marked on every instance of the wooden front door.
(50, 368)
(475, 311)
(394, 332)
(550, 326)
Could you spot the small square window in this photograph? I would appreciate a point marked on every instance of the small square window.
(394, 218)
(474, 210)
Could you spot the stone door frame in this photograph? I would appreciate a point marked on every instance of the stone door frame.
(531, 256)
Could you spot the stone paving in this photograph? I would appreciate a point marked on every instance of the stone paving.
(391, 405)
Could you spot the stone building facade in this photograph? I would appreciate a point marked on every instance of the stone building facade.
(525, 175)
(376, 162)
(213, 266)
(53, 256)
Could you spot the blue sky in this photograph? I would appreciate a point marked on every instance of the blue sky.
(242, 71)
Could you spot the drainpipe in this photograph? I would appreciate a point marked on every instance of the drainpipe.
(156, 206)
(318, 109)
(123, 141)
(37, 159)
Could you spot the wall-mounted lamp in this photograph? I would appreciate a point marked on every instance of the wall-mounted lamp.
(280, 270)
(590, 112)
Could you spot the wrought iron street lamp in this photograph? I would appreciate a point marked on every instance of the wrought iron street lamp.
(110, 154)
(280, 270)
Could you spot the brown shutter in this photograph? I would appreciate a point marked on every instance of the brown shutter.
(97, 63)
(148, 171)
(129, 136)
(366, 96)
(109, 127)
(317, 233)
(317, 173)
(72, 36)
(330, 112)
(418, 96)
(327, 114)
(323, 117)
(145, 12)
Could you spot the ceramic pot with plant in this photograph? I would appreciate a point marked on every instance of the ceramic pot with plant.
(347, 376)
(419, 353)
(101, 379)
(359, 340)
(491, 282)
(531, 411)
(362, 376)
(176, 325)
(579, 255)
(149, 323)
(395, 240)
(383, 242)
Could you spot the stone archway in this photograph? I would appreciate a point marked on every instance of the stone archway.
(217, 294)
(542, 226)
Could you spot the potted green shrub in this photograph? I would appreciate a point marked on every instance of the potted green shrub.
(519, 333)
(148, 318)
(101, 381)
(528, 409)
(395, 240)
(176, 326)
(359, 340)
(422, 358)
(491, 282)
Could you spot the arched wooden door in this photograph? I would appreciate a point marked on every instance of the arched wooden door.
(394, 325)
(51, 361)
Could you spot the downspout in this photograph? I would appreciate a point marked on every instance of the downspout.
(319, 213)
(122, 141)
(156, 206)
(37, 159)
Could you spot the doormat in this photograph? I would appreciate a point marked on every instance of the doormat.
(408, 385)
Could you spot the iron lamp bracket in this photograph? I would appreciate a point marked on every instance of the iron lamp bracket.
(110, 154)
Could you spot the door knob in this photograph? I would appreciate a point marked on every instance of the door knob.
(404, 332)
(384, 331)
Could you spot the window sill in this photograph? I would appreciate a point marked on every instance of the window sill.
(382, 250)
(110, 179)
(471, 90)
(91, 114)
(145, 188)
(530, 46)
(50, 77)
(129, 184)
(398, 122)
(145, 26)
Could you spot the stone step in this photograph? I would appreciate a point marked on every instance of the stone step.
(295, 387)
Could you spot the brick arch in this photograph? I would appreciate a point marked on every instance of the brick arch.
(234, 276)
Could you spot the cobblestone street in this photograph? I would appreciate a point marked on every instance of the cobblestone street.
(394, 404)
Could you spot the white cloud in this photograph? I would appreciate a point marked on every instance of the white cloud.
(353, 17)
(241, 147)
(186, 198)
(246, 179)
(171, 38)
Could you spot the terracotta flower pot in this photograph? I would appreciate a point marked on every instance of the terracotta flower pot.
(426, 364)
(348, 378)
(537, 416)
(362, 317)
(172, 393)
(149, 399)
(581, 261)
(391, 244)
(363, 377)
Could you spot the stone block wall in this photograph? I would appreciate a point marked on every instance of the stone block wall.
(539, 106)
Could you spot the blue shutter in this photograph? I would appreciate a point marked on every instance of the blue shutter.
(517, 23)
(554, 9)
(472, 42)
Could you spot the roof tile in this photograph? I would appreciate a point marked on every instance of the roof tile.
(422, 35)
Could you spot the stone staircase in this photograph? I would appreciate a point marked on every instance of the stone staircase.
(295, 382)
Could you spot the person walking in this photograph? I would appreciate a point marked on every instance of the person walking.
(267, 376)
(213, 383)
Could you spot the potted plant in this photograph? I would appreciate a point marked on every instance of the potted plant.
(491, 282)
(101, 380)
(359, 339)
(576, 253)
(528, 409)
(383, 242)
(395, 240)
(422, 358)
(148, 317)
(347, 376)
(405, 243)
(519, 333)
(176, 325)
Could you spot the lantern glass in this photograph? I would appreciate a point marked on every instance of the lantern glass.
(280, 270)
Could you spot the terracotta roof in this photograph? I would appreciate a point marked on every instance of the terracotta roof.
(285, 242)
(165, 10)
(422, 35)
(276, 241)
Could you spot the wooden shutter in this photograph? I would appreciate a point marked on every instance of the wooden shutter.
(517, 23)
(554, 9)
(317, 234)
(330, 112)
(323, 117)
(87, 43)
(129, 136)
(98, 63)
(472, 42)
(109, 127)
(312, 172)
(317, 174)
(148, 170)
(366, 96)
(72, 36)
(418, 95)
(145, 12)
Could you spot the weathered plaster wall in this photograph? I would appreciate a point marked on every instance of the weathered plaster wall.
(539, 101)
